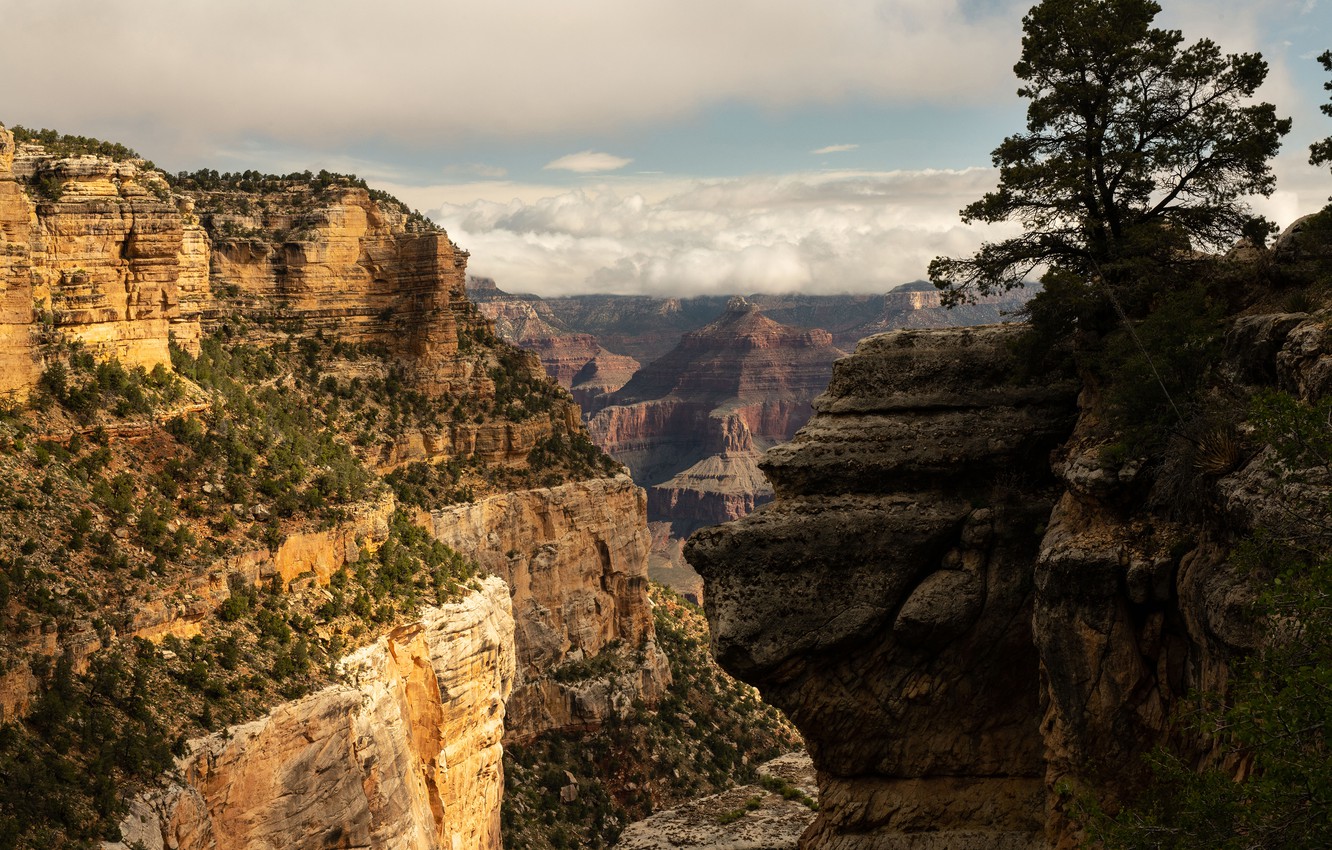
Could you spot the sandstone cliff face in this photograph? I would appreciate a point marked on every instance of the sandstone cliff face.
(884, 600)
(96, 260)
(351, 266)
(105, 254)
(575, 557)
(407, 754)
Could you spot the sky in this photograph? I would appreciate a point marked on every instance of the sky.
(673, 147)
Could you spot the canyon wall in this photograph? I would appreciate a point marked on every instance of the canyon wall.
(406, 754)
(692, 424)
(575, 557)
(105, 255)
(96, 257)
(975, 606)
(884, 600)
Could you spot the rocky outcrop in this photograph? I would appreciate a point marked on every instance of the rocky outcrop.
(575, 557)
(407, 754)
(884, 600)
(94, 251)
(975, 608)
(750, 817)
(1139, 606)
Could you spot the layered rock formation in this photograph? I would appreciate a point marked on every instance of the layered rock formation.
(576, 361)
(884, 600)
(102, 254)
(407, 754)
(575, 557)
(706, 410)
(97, 259)
(973, 608)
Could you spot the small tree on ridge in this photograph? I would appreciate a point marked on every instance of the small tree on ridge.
(1136, 149)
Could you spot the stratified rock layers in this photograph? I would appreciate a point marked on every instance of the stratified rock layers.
(575, 557)
(692, 424)
(884, 600)
(98, 261)
(406, 755)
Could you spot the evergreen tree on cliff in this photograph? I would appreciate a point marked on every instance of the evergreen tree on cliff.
(1137, 148)
(1320, 153)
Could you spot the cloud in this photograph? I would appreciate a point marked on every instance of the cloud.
(424, 73)
(835, 149)
(811, 231)
(587, 162)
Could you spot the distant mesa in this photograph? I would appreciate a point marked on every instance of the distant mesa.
(692, 425)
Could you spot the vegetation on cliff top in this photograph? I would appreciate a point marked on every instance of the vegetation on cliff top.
(61, 144)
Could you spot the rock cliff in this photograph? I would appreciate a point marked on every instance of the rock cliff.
(974, 606)
(575, 557)
(106, 254)
(884, 600)
(95, 252)
(406, 754)
(323, 340)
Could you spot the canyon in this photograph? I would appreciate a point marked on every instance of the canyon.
(693, 422)
(300, 551)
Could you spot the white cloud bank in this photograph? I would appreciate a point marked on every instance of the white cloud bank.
(588, 162)
(813, 232)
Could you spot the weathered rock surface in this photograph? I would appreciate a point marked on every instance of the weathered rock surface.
(575, 557)
(407, 754)
(576, 361)
(950, 556)
(1127, 620)
(749, 817)
(884, 600)
(97, 260)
